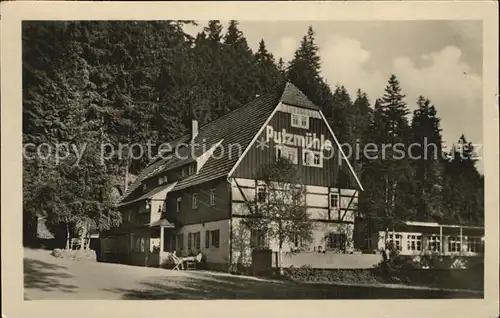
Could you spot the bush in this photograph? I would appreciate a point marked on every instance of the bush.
(75, 255)
(344, 276)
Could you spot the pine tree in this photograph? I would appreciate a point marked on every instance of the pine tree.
(426, 155)
(304, 71)
(209, 66)
(239, 83)
(268, 72)
(463, 189)
(342, 116)
(389, 175)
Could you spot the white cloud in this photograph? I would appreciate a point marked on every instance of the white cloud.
(286, 47)
(444, 78)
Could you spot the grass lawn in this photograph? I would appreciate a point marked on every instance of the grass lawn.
(47, 277)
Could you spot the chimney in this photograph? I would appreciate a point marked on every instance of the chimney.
(194, 129)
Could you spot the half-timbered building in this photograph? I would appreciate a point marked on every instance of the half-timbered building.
(192, 198)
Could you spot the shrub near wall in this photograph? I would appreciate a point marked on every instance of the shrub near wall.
(75, 255)
(343, 276)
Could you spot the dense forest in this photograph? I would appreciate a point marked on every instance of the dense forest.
(89, 83)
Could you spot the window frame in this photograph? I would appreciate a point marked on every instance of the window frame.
(477, 243)
(312, 155)
(454, 245)
(215, 238)
(284, 151)
(434, 243)
(398, 240)
(179, 204)
(194, 201)
(197, 240)
(258, 239)
(414, 242)
(337, 196)
(257, 193)
(212, 197)
(302, 121)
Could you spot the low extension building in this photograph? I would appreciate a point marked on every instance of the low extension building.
(193, 197)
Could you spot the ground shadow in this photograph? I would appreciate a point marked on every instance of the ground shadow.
(234, 287)
(45, 276)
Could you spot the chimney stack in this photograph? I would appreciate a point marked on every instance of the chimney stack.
(194, 129)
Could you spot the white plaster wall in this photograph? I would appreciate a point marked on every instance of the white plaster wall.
(318, 213)
(213, 254)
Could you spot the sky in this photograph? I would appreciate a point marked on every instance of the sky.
(440, 60)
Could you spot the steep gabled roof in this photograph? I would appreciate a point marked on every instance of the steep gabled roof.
(237, 127)
(294, 97)
(234, 131)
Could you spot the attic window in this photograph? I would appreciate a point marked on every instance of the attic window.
(162, 180)
(300, 121)
(190, 170)
(287, 152)
(312, 158)
(144, 187)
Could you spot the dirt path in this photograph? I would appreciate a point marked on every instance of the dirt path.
(46, 277)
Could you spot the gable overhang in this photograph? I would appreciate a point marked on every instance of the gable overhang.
(152, 195)
(252, 142)
(342, 151)
(278, 106)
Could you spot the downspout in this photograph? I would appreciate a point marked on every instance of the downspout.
(230, 225)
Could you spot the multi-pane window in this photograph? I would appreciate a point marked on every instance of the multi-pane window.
(474, 244)
(312, 158)
(434, 244)
(287, 152)
(454, 244)
(138, 244)
(414, 242)
(180, 242)
(336, 241)
(212, 197)
(367, 240)
(258, 239)
(179, 204)
(215, 236)
(396, 240)
(197, 240)
(261, 194)
(300, 121)
(195, 200)
(298, 241)
(334, 201)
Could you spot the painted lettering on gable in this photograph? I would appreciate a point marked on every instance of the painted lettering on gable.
(308, 140)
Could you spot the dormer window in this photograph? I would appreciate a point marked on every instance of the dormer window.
(162, 180)
(300, 121)
(144, 187)
(190, 170)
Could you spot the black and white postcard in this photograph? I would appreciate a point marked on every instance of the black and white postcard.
(330, 151)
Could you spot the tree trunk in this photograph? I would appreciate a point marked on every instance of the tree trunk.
(82, 236)
(68, 238)
(87, 245)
